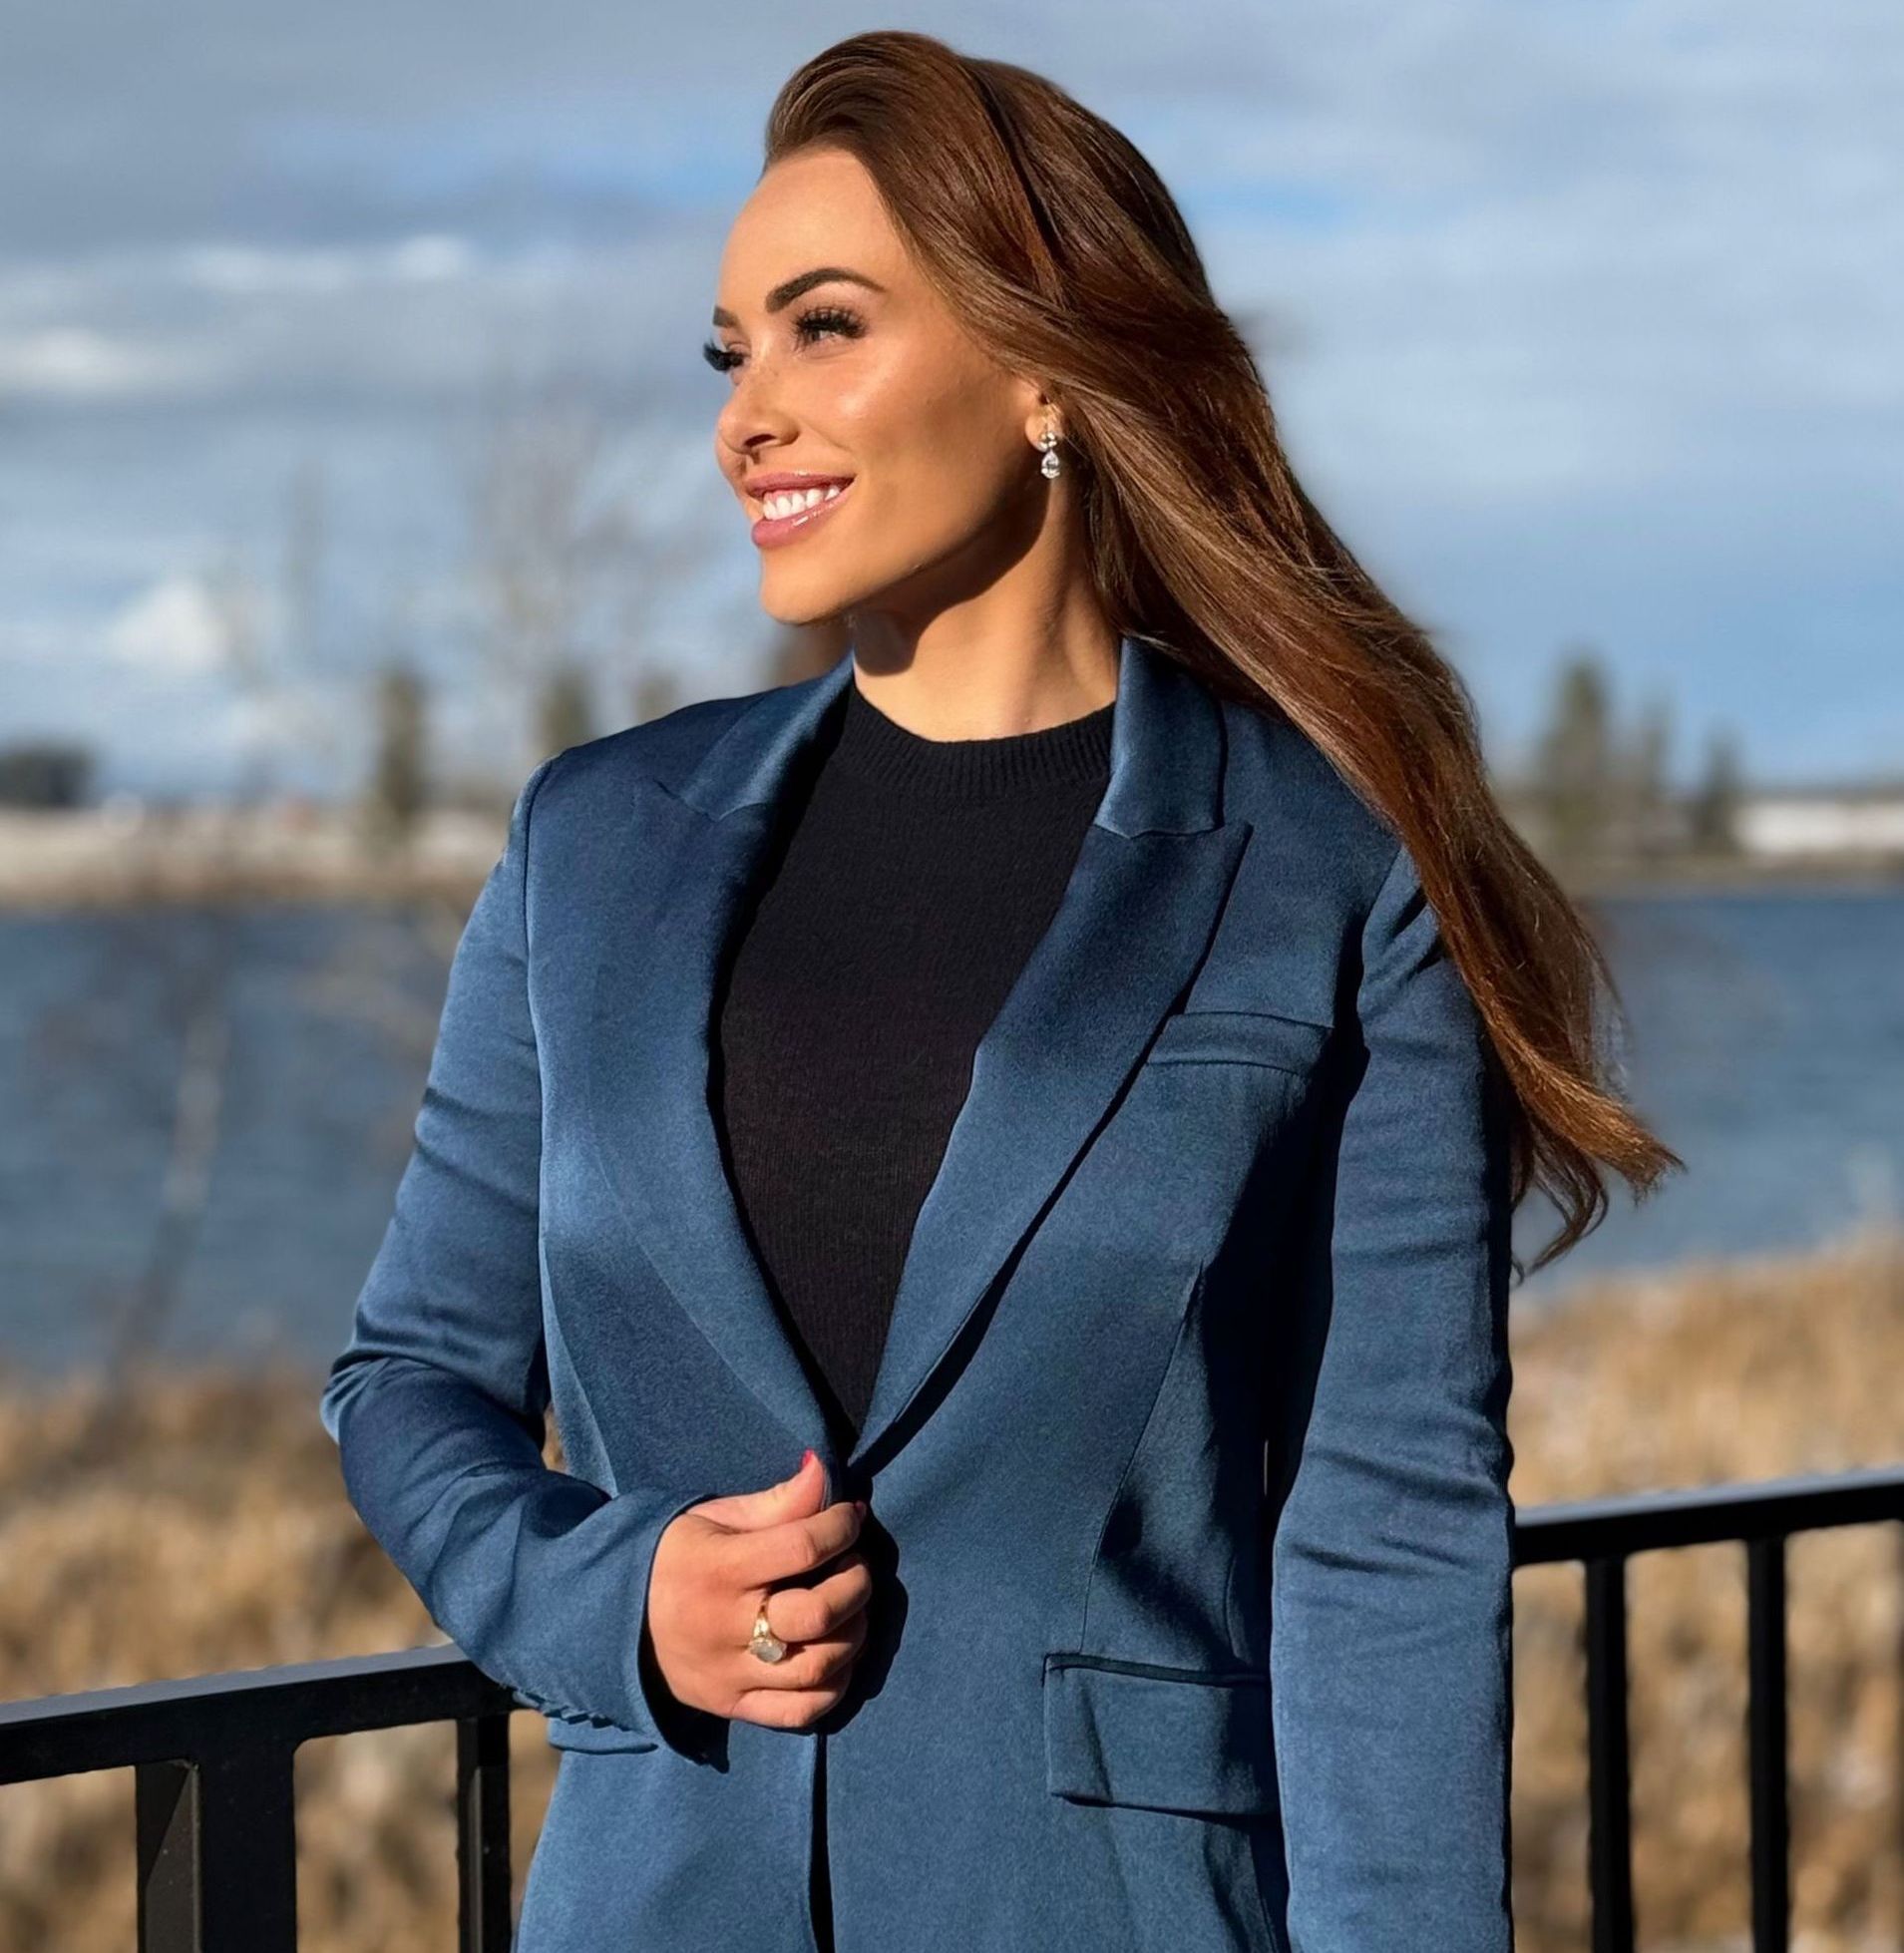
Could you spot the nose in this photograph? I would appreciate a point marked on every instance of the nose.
(751, 419)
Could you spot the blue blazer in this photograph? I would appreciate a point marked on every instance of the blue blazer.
(1187, 1457)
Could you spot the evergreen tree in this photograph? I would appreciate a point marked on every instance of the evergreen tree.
(1576, 785)
(1646, 794)
(399, 785)
(1713, 812)
(563, 715)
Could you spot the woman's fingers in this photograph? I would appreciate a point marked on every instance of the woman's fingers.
(703, 1603)
(817, 1614)
(807, 1681)
(789, 1548)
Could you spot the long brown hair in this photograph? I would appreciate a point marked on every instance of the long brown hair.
(1057, 247)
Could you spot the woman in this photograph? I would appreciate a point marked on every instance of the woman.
(1070, 1066)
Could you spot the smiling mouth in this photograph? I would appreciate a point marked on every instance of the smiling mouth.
(759, 501)
(770, 530)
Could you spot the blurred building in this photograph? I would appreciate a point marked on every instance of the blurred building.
(1794, 822)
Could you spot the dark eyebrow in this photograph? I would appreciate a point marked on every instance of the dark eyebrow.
(784, 294)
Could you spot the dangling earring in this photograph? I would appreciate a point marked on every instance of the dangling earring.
(1048, 441)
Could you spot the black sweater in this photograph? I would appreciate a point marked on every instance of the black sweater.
(908, 884)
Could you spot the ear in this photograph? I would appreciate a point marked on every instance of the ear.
(1039, 410)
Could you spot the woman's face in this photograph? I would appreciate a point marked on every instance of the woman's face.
(864, 378)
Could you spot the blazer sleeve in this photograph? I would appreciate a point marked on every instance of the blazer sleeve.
(436, 1401)
(1391, 1644)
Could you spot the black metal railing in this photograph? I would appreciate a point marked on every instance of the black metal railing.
(214, 1757)
(1600, 1536)
(213, 1763)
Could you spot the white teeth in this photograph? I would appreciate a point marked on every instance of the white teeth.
(792, 501)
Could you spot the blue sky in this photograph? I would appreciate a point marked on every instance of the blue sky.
(1584, 324)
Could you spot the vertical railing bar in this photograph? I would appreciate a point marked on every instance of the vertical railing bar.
(1897, 1783)
(1768, 1736)
(1609, 1766)
(165, 1821)
(217, 1844)
(247, 1847)
(483, 1924)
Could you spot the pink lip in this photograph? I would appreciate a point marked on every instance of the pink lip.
(770, 480)
(770, 532)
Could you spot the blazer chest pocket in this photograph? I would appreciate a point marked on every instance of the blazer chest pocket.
(1265, 1038)
(1164, 1739)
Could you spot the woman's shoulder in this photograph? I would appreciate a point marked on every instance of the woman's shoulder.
(1308, 820)
(663, 749)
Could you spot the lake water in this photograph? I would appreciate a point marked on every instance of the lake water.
(1766, 1047)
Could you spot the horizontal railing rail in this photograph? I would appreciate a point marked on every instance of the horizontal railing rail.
(212, 1755)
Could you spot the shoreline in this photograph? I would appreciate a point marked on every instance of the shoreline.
(177, 879)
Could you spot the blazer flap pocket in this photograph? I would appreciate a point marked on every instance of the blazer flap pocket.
(1166, 1739)
(1239, 1037)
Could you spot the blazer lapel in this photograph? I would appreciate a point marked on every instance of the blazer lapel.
(676, 888)
(1129, 931)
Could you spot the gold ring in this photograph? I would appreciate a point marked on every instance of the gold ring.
(767, 1646)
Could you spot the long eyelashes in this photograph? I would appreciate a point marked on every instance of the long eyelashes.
(807, 327)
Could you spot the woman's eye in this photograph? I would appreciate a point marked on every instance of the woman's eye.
(825, 318)
(807, 327)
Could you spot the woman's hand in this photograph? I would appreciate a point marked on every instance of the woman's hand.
(713, 1567)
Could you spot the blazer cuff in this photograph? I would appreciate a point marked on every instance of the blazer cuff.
(629, 1703)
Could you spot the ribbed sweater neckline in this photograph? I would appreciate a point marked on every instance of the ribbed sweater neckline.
(878, 748)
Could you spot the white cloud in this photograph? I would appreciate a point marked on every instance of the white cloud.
(1602, 251)
(410, 320)
(79, 363)
(173, 628)
(247, 270)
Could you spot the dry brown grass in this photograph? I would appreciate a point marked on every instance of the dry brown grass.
(205, 1528)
